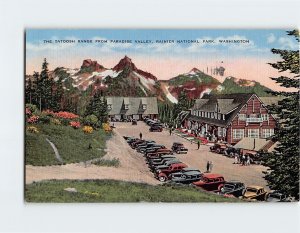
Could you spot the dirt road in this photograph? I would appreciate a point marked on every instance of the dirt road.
(250, 175)
(133, 167)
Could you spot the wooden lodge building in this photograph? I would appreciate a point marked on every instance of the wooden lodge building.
(128, 108)
(230, 117)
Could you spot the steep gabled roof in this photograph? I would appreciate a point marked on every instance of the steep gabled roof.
(228, 104)
(135, 105)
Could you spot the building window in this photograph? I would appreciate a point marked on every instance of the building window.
(238, 133)
(144, 106)
(109, 107)
(265, 117)
(253, 133)
(223, 117)
(211, 115)
(266, 133)
(220, 132)
(126, 106)
(242, 117)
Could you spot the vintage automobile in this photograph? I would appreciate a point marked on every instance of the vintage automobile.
(152, 149)
(136, 143)
(231, 151)
(186, 176)
(134, 122)
(144, 145)
(161, 158)
(179, 148)
(158, 153)
(233, 188)
(210, 182)
(255, 193)
(218, 148)
(164, 162)
(163, 173)
(155, 129)
(277, 197)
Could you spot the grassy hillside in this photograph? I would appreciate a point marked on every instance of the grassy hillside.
(72, 145)
(115, 191)
(230, 86)
(200, 78)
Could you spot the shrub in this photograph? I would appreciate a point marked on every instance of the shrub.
(48, 113)
(44, 118)
(31, 107)
(55, 121)
(91, 120)
(28, 112)
(87, 129)
(106, 127)
(75, 124)
(32, 129)
(33, 119)
(66, 115)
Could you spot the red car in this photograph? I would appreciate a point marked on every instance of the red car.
(162, 172)
(211, 182)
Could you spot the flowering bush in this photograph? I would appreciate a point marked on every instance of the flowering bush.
(32, 129)
(66, 115)
(33, 119)
(106, 127)
(48, 112)
(91, 120)
(75, 124)
(31, 107)
(28, 111)
(55, 121)
(87, 129)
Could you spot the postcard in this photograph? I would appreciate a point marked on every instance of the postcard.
(161, 115)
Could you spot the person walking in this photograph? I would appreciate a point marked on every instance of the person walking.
(248, 160)
(170, 131)
(210, 166)
(198, 144)
(235, 158)
(243, 160)
(141, 135)
(207, 166)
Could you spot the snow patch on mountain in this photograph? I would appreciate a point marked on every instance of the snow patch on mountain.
(148, 83)
(170, 96)
(206, 91)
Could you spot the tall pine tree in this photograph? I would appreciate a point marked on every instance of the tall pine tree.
(283, 163)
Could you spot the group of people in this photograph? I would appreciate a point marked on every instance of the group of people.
(209, 166)
(242, 159)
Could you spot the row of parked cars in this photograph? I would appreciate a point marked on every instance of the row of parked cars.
(166, 167)
(155, 126)
(228, 150)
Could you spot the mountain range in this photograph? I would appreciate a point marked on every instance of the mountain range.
(125, 79)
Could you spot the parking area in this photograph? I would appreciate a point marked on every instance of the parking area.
(250, 175)
(133, 166)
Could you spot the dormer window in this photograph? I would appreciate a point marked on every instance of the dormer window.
(109, 106)
(126, 106)
(144, 106)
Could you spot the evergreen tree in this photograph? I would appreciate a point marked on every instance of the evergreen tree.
(29, 91)
(283, 163)
(44, 87)
(182, 105)
(57, 97)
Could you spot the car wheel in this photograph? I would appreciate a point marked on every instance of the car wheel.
(162, 178)
(218, 151)
(220, 187)
(231, 154)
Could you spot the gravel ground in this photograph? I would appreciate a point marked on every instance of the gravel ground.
(133, 167)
